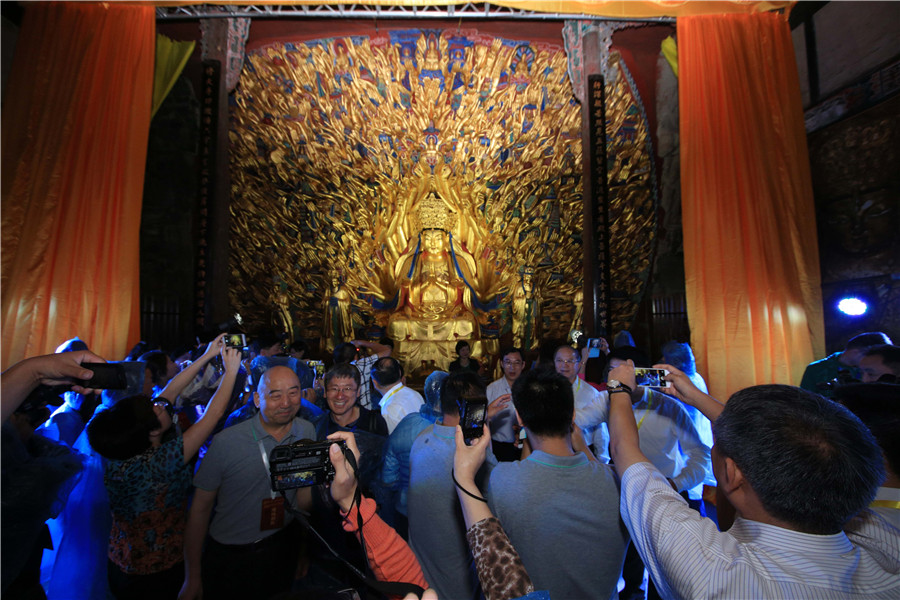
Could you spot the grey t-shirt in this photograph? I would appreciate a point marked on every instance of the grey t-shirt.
(561, 514)
(233, 466)
(437, 531)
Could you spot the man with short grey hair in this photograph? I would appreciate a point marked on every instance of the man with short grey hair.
(251, 550)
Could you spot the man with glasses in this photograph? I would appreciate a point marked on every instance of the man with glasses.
(503, 430)
(591, 406)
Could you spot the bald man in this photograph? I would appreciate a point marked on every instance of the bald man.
(251, 548)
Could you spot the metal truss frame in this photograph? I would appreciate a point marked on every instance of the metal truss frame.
(470, 10)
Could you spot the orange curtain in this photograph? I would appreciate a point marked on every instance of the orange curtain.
(602, 8)
(750, 249)
(75, 125)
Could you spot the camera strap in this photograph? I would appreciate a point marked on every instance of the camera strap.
(388, 588)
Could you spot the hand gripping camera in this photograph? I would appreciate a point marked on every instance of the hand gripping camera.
(302, 464)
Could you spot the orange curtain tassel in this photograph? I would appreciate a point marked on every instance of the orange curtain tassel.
(751, 252)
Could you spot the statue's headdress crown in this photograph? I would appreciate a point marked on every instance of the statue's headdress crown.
(432, 213)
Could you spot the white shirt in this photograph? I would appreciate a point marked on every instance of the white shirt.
(503, 422)
(690, 558)
(365, 377)
(669, 440)
(592, 416)
(887, 504)
(398, 402)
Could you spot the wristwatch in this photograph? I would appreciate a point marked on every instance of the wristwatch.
(614, 385)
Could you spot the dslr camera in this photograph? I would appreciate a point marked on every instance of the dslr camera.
(302, 464)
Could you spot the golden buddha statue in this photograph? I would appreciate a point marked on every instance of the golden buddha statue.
(526, 312)
(435, 276)
(337, 326)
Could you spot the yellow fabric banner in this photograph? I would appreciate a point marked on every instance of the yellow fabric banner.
(171, 56)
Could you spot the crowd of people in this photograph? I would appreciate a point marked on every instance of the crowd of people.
(573, 489)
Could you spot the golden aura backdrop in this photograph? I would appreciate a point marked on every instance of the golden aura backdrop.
(337, 142)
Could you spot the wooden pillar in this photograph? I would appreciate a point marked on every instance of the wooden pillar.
(218, 54)
(595, 237)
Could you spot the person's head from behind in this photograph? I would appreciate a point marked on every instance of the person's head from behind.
(278, 396)
(463, 349)
(267, 343)
(679, 356)
(810, 462)
(544, 402)
(73, 345)
(433, 391)
(298, 349)
(878, 406)
(342, 388)
(880, 363)
(386, 372)
(858, 344)
(129, 427)
(160, 366)
(344, 353)
(457, 387)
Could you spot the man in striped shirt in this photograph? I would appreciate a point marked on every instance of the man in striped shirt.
(799, 471)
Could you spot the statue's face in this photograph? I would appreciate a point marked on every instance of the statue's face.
(433, 241)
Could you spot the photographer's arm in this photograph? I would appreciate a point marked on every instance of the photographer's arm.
(381, 350)
(201, 430)
(623, 445)
(488, 542)
(52, 369)
(194, 536)
(685, 390)
(390, 557)
(177, 384)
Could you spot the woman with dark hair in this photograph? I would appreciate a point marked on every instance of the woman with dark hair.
(464, 363)
(148, 478)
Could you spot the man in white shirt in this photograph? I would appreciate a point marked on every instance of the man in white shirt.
(397, 400)
(799, 471)
(503, 431)
(591, 406)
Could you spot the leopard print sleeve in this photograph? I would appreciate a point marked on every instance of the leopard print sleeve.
(500, 569)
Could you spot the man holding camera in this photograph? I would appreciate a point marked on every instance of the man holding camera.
(250, 550)
(436, 526)
(799, 471)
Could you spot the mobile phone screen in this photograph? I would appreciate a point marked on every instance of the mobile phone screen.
(652, 378)
(107, 376)
(472, 418)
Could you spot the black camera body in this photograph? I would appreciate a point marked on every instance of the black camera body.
(302, 464)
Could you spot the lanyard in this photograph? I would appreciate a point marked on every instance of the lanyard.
(385, 399)
(265, 459)
(577, 385)
(646, 412)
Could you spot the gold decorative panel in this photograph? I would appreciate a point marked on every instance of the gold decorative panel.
(345, 150)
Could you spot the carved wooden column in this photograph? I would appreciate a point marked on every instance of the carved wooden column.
(223, 42)
(595, 238)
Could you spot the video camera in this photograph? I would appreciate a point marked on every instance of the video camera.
(302, 464)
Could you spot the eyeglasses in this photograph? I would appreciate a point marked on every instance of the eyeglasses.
(339, 390)
(513, 363)
(166, 405)
(563, 361)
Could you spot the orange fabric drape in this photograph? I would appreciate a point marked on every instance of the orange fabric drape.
(602, 8)
(750, 245)
(75, 124)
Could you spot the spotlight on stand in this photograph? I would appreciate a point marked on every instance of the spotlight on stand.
(852, 306)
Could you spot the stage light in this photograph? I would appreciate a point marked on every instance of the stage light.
(852, 306)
